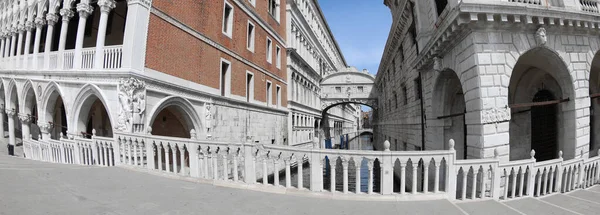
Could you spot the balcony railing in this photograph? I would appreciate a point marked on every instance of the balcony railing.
(401, 174)
(589, 5)
(112, 59)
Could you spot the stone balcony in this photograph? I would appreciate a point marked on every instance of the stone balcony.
(56, 60)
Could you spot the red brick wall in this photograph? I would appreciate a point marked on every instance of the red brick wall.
(172, 51)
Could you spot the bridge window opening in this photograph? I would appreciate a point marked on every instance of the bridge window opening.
(338, 89)
(539, 99)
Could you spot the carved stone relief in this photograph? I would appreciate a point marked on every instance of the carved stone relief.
(132, 105)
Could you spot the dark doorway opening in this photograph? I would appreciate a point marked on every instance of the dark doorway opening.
(544, 127)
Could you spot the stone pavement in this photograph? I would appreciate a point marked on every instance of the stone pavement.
(32, 187)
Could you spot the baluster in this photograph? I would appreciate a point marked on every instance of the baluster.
(235, 167)
(111, 162)
(464, 184)
(571, 180)
(265, 170)
(474, 184)
(215, 170)
(425, 177)
(275, 172)
(414, 177)
(167, 157)
(370, 182)
(207, 163)
(345, 175)
(130, 151)
(357, 164)
(174, 149)
(159, 150)
(300, 162)
(288, 181)
(332, 166)
(182, 160)
(483, 180)
(521, 179)
(225, 167)
(545, 186)
(436, 186)
(402, 177)
(539, 183)
(136, 161)
(514, 183)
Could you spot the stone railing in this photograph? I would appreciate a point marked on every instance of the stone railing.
(113, 56)
(394, 175)
(589, 5)
(96, 151)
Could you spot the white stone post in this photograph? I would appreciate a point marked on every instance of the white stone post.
(316, 172)
(451, 175)
(66, 14)
(136, 31)
(370, 182)
(39, 23)
(52, 18)
(387, 170)
(11, 127)
(105, 7)
(345, 175)
(84, 10)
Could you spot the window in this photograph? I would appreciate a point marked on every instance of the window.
(250, 37)
(405, 146)
(278, 56)
(278, 88)
(269, 50)
(269, 94)
(274, 9)
(417, 88)
(361, 89)
(405, 95)
(249, 87)
(440, 5)
(338, 89)
(225, 77)
(227, 19)
(252, 2)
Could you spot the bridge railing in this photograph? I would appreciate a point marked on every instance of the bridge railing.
(387, 174)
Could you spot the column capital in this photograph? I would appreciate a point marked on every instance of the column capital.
(25, 118)
(52, 18)
(11, 112)
(66, 14)
(45, 128)
(106, 5)
(84, 9)
(21, 28)
(39, 22)
(28, 25)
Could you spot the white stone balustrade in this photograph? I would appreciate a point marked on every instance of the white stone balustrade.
(416, 174)
(112, 60)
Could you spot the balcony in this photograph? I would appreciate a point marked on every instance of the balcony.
(65, 61)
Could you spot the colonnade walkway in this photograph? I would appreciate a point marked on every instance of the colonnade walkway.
(33, 187)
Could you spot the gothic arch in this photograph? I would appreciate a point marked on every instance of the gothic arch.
(82, 105)
(49, 97)
(9, 88)
(25, 96)
(190, 118)
(447, 108)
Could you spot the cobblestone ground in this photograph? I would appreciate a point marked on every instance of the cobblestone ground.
(31, 187)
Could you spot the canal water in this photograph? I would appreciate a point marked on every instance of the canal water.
(365, 144)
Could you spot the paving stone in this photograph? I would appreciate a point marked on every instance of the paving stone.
(587, 195)
(489, 207)
(534, 206)
(573, 204)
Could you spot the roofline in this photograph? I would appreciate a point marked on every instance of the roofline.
(330, 33)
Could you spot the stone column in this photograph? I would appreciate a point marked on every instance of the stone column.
(2, 122)
(2, 47)
(52, 18)
(11, 127)
(66, 14)
(39, 23)
(84, 10)
(105, 7)
(13, 43)
(21, 30)
(25, 126)
(136, 30)
(28, 27)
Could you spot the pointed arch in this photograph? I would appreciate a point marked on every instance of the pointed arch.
(82, 105)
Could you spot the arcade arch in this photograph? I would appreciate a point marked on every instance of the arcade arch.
(55, 112)
(542, 118)
(174, 117)
(449, 108)
(595, 105)
(91, 113)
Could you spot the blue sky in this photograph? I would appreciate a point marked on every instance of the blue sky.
(361, 28)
